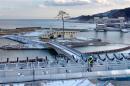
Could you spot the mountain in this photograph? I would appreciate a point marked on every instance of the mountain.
(111, 14)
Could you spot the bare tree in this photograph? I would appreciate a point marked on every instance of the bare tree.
(63, 15)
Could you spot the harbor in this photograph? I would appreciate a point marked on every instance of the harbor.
(38, 60)
(69, 65)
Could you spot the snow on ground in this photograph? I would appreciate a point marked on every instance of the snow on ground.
(101, 48)
(110, 84)
(37, 33)
(16, 85)
(82, 82)
(70, 83)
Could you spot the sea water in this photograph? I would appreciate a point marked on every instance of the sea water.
(49, 23)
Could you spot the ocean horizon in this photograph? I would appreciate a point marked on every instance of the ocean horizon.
(45, 23)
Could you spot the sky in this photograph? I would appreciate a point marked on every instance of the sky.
(47, 9)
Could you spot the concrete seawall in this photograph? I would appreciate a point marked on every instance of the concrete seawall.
(16, 76)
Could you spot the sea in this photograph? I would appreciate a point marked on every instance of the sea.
(46, 23)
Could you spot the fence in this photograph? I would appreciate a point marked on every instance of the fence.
(21, 72)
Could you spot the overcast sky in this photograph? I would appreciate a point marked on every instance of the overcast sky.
(35, 9)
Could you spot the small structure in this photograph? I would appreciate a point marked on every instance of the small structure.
(58, 34)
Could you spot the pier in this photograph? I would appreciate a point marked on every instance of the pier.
(22, 39)
(61, 49)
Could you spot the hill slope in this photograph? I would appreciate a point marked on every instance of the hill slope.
(112, 14)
